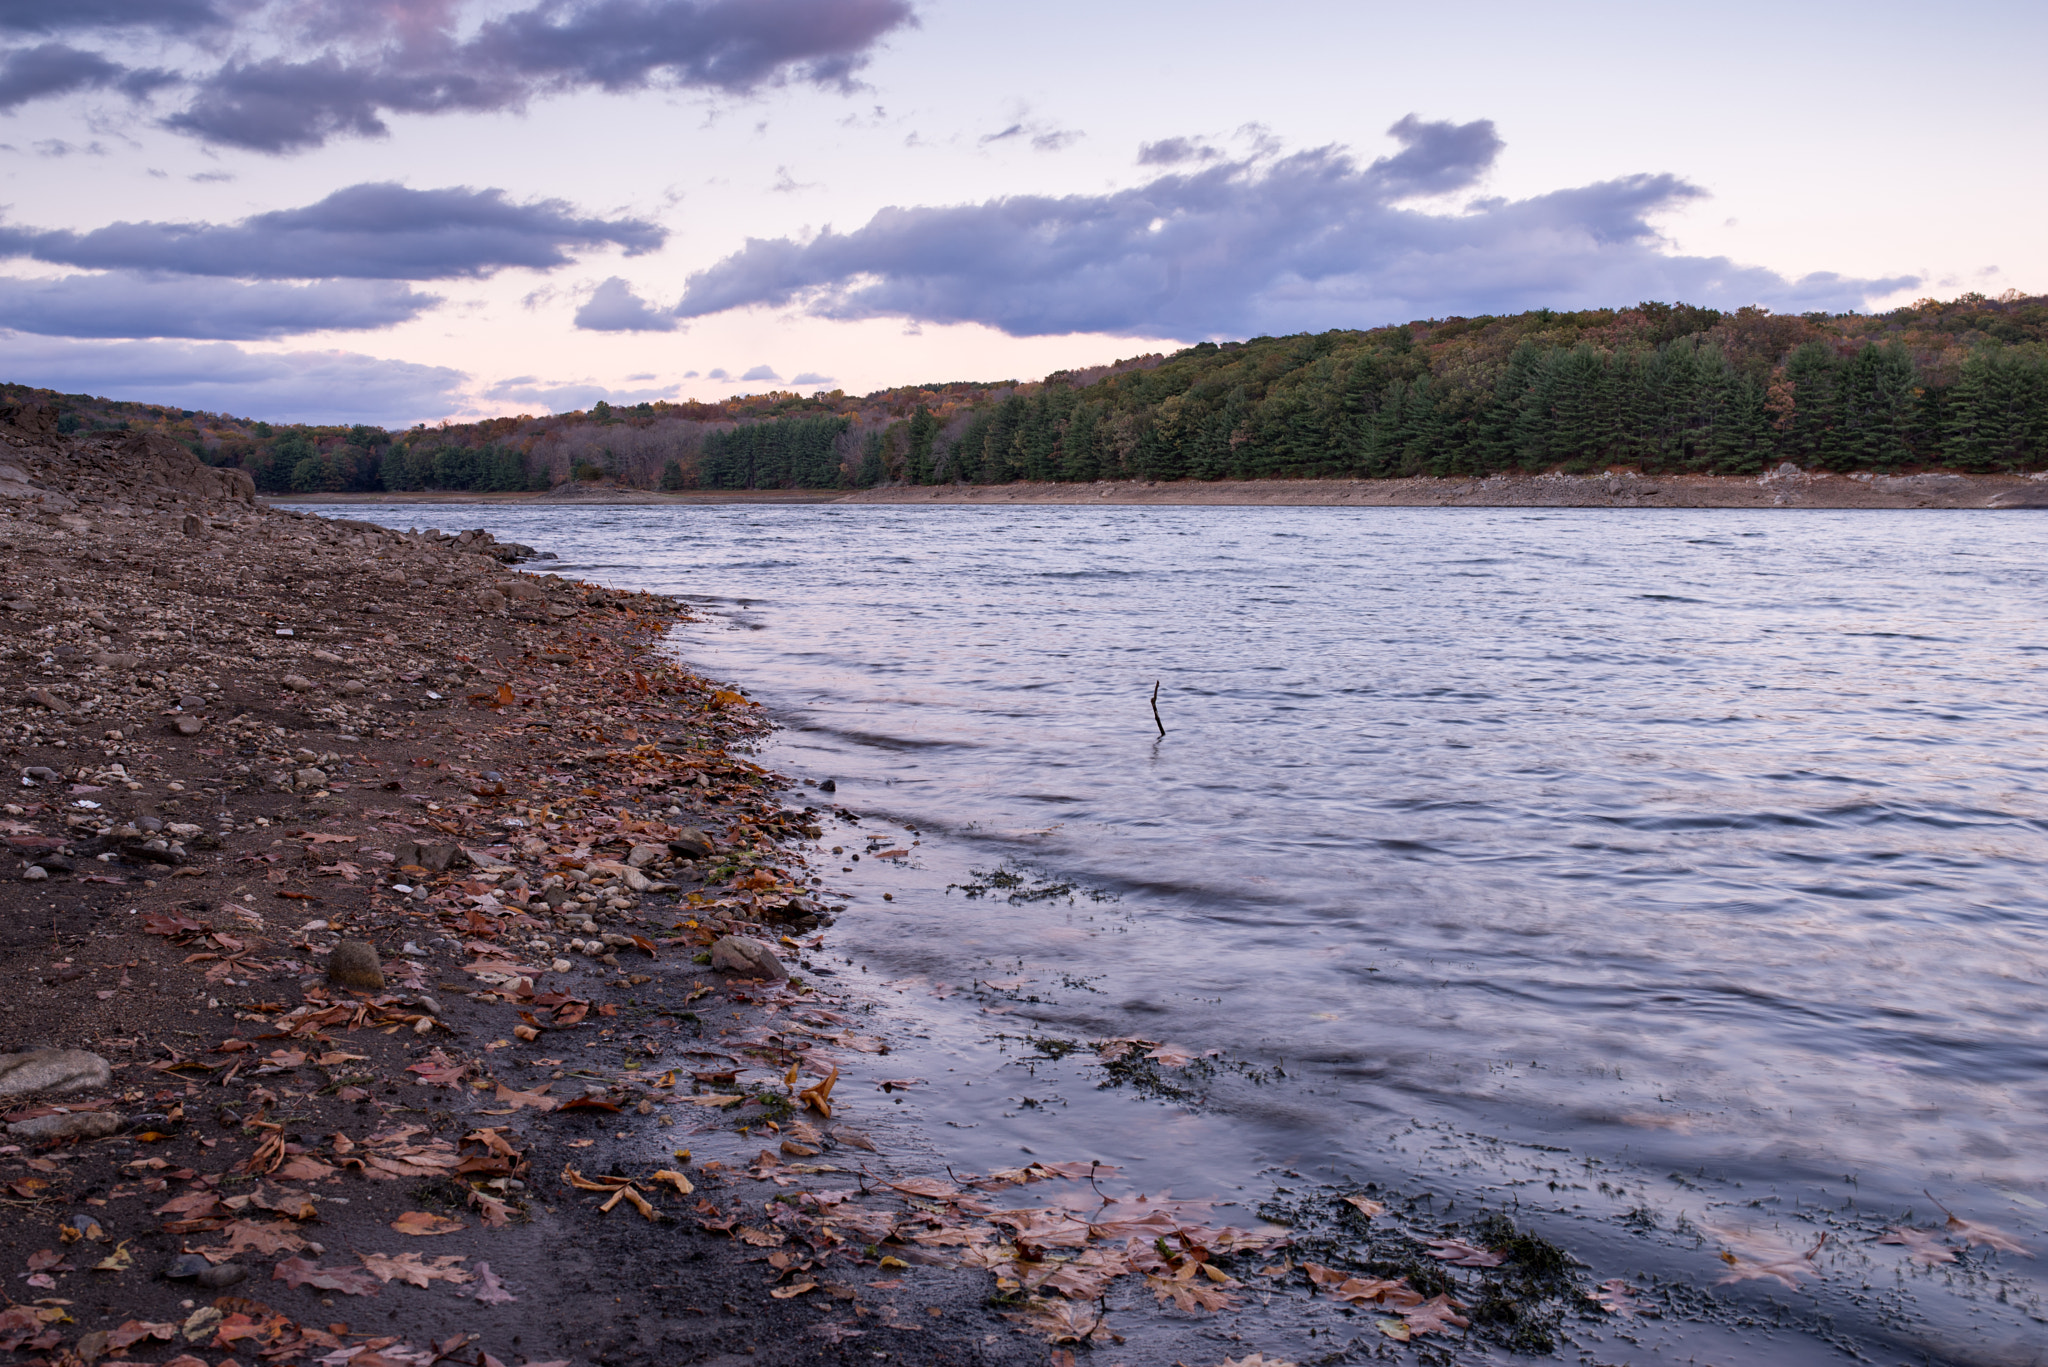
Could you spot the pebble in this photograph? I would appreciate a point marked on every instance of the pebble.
(692, 844)
(221, 1274)
(298, 683)
(74, 1125)
(53, 1070)
(490, 600)
(188, 726)
(643, 855)
(34, 873)
(354, 964)
(185, 1267)
(744, 954)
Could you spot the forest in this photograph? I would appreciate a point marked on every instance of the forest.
(1663, 388)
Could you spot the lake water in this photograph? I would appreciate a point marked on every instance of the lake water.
(1649, 869)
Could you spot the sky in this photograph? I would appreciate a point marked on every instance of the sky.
(401, 211)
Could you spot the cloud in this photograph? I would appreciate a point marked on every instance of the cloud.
(1044, 137)
(372, 231)
(615, 308)
(124, 304)
(569, 396)
(811, 377)
(293, 386)
(377, 60)
(1174, 151)
(54, 16)
(719, 374)
(761, 372)
(35, 73)
(1263, 244)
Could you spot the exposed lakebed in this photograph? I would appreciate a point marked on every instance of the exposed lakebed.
(1644, 875)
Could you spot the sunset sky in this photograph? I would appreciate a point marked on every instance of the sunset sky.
(344, 210)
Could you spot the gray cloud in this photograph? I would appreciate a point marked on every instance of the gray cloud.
(376, 231)
(34, 73)
(298, 386)
(761, 372)
(55, 16)
(811, 377)
(390, 60)
(719, 374)
(1259, 245)
(122, 304)
(615, 308)
(1175, 151)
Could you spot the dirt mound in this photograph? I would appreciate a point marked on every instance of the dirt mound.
(111, 471)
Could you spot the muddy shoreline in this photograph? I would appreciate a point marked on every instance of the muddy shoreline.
(1784, 488)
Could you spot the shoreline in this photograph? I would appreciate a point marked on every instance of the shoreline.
(1626, 489)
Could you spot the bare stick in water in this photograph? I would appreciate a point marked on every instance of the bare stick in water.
(1155, 709)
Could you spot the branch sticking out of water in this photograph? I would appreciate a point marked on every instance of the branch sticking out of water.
(1155, 710)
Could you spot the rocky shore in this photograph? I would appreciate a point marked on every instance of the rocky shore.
(380, 925)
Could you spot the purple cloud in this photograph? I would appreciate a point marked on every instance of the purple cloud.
(1264, 244)
(123, 304)
(613, 307)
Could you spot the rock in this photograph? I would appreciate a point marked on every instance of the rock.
(45, 698)
(692, 844)
(192, 525)
(185, 1267)
(191, 702)
(432, 858)
(828, 786)
(221, 1274)
(188, 726)
(746, 955)
(523, 590)
(489, 600)
(54, 1071)
(643, 855)
(309, 778)
(637, 881)
(115, 660)
(352, 688)
(299, 683)
(354, 964)
(71, 1125)
(35, 873)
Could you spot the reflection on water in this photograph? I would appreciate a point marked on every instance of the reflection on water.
(1703, 843)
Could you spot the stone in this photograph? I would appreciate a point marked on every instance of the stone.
(828, 786)
(118, 660)
(354, 964)
(44, 697)
(309, 778)
(432, 858)
(692, 844)
(54, 1071)
(637, 881)
(221, 1274)
(299, 683)
(643, 855)
(68, 1125)
(188, 726)
(489, 600)
(352, 688)
(185, 1267)
(191, 702)
(35, 873)
(192, 525)
(745, 955)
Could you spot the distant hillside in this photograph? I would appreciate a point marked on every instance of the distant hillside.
(1961, 384)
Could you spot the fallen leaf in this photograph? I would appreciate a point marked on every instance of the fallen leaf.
(415, 1270)
(297, 1272)
(1365, 1204)
(1062, 1321)
(784, 1293)
(1394, 1329)
(1765, 1256)
(120, 1260)
(1988, 1236)
(1432, 1316)
(1616, 1297)
(421, 1223)
(489, 1290)
(676, 1180)
(1458, 1253)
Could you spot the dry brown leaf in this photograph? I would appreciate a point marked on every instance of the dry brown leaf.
(1616, 1297)
(422, 1224)
(1432, 1316)
(415, 1270)
(1458, 1253)
(1062, 1321)
(349, 1281)
(1365, 1204)
(1987, 1236)
(676, 1180)
(784, 1293)
(489, 1290)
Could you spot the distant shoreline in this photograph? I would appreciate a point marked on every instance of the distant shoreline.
(1620, 490)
